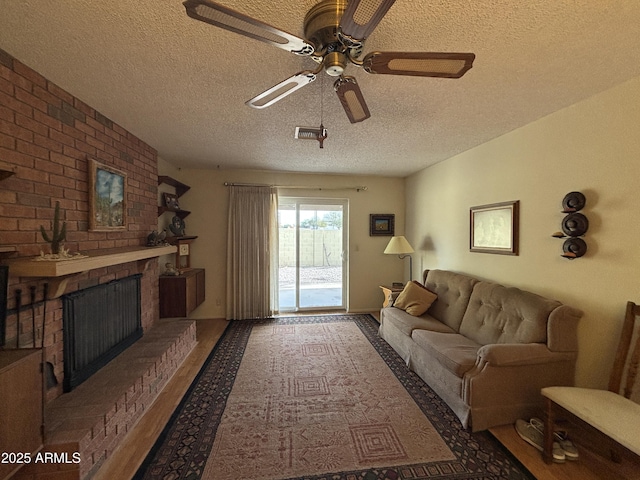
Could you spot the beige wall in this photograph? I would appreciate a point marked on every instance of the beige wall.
(368, 266)
(593, 147)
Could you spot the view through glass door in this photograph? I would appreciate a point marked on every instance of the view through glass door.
(312, 253)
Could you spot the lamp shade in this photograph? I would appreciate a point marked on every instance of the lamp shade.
(398, 246)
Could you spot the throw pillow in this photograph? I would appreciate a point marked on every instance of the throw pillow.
(415, 299)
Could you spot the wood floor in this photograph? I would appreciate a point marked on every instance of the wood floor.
(590, 465)
(131, 453)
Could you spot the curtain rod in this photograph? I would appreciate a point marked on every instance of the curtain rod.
(306, 187)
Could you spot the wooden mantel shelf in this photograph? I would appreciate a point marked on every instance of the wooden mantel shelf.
(28, 267)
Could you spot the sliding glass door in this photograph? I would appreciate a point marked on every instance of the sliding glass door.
(312, 253)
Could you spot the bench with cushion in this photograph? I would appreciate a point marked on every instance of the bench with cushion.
(613, 415)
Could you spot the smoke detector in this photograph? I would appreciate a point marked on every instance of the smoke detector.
(311, 133)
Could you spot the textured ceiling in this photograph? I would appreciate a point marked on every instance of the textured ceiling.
(180, 85)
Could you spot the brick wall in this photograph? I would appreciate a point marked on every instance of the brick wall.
(47, 136)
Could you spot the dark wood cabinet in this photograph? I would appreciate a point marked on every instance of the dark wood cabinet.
(181, 294)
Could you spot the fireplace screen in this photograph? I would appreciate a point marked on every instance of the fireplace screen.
(99, 323)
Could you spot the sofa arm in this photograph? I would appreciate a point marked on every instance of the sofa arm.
(505, 382)
(562, 329)
(512, 354)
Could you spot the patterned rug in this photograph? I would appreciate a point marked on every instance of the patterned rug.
(317, 398)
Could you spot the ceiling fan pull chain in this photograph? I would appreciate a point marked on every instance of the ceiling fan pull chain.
(321, 101)
(323, 131)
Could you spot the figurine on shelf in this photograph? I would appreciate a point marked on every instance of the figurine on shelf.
(155, 239)
(171, 201)
(171, 270)
(177, 226)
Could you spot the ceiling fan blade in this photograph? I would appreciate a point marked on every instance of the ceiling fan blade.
(281, 90)
(421, 64)
(361, 17)
(351, 98)
(223, 17)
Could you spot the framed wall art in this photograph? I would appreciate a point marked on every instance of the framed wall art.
(107, 198)
(171, 201)
(494, 228)
(381, 224)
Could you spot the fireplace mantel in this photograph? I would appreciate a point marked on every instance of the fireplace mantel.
(28, 267)
(61, 270)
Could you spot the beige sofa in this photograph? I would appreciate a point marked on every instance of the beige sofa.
(484, 348)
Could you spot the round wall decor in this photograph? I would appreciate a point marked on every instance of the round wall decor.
(574, 248)
(575, 224)
(573, 202)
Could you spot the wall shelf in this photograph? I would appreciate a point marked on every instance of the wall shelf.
(6, 170)
(181, 213)
(177, 240)
(28, 267)
(180, 187)
(5, 173)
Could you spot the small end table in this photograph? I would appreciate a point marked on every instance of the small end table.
(390, 294)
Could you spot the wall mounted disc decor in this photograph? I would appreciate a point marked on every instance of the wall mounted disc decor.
(573, 202)
(575, 225)
(574, 248)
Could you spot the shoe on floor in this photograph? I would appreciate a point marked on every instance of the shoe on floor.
(533, 436)
(570, 450)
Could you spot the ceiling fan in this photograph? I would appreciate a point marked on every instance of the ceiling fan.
(335, 31)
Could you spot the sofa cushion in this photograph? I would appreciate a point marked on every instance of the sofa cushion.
(499, 314)
(408, 323)
(453, 351)
(454, 291)
(414, 299)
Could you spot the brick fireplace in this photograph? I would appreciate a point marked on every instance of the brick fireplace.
(47, 137)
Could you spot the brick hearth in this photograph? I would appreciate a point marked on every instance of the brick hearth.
(92, 419)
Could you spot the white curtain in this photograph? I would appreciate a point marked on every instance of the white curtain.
(252, 246)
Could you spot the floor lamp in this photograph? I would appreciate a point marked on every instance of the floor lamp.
(399, 246)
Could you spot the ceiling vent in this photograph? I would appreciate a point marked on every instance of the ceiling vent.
(311, 133)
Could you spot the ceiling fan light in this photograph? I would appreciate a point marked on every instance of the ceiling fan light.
(335, 63)
(352, 100)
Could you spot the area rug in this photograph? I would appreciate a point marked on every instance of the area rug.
(317, 398)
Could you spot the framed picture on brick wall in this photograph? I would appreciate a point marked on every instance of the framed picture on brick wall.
(107, 198)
